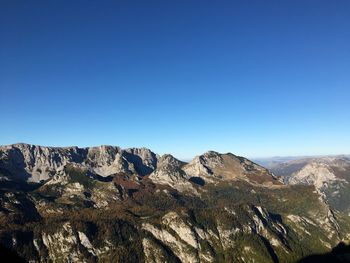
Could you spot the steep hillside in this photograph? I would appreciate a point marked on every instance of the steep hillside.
(35, 163)
(213, 166)
(329, 175)
(106, 204)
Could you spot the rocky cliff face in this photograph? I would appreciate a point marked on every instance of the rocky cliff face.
(35, 163)
(107, 204)
(329, 175)
(169, 172)
(213, 166)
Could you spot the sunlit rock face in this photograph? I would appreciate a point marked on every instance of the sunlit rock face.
(35, 163)
(169, 172)
(107, 204)
(215, 166)
(329, 175)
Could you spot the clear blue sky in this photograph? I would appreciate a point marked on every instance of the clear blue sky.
(256, 78)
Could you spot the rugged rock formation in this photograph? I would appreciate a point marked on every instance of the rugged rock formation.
(213, 165)
(35, 163)
(329, 175)
(107, 204)
(169, 172)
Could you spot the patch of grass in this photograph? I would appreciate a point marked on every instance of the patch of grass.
(78, 175)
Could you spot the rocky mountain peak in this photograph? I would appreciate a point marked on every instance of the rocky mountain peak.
(169, 172)
(35, 163)
(316, 173)
(211, 159)
(330, 175)
(169, 160)
(202, 165)
(159, 208)
(144, 159)
(213, 165)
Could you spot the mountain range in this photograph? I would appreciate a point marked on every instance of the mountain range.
(329, 174)
(108, 204)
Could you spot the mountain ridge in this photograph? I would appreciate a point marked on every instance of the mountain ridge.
(107, 204)
(330, 175)
(42, 162)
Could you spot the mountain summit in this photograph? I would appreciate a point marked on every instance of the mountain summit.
(37, 163)
(107, 204)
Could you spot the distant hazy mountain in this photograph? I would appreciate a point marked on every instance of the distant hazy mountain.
(107, 204)
(275, 164)
(270, 162)
(329, 174)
